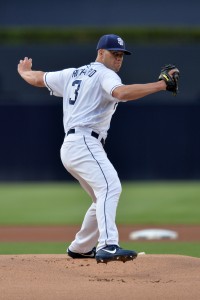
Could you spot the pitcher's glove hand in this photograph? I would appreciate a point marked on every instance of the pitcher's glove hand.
(170, 80)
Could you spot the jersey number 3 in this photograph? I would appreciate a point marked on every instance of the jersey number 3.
(74, 93)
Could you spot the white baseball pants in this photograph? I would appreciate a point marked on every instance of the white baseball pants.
(84, 157)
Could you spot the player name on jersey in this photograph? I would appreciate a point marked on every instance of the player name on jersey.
(86, 71)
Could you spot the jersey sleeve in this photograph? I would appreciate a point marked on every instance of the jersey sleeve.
(55, 81)
(109, 81)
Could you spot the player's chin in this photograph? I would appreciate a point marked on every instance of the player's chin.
(117, 68)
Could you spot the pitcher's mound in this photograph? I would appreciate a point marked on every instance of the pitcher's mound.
(56, 277)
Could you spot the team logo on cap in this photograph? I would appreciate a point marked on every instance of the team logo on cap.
(120, 41)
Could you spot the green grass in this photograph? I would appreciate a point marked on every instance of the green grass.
(66, 203)
(179, 248)
(32, 204)
(160, 203)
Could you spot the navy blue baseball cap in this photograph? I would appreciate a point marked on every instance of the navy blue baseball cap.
(112, 42)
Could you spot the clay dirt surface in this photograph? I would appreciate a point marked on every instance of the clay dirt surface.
(41, 277)
(59, 277)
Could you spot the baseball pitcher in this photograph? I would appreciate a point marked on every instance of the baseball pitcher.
(90, 95)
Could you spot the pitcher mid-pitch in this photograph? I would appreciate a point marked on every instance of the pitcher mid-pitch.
(90, 97)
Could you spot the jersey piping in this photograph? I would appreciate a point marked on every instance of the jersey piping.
(49, 88)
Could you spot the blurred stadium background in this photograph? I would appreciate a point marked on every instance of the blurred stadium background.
(150, 139)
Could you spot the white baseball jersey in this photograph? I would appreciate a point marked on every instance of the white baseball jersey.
(87, 95)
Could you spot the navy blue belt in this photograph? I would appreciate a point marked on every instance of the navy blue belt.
(93, 133)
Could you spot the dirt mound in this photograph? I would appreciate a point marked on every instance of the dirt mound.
(59, 277)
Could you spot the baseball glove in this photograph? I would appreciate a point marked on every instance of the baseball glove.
(170, 80)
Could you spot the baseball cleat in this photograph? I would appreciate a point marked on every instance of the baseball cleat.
(90, 254)
(114, 253)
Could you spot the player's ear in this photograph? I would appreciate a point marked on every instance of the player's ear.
(100, 52)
